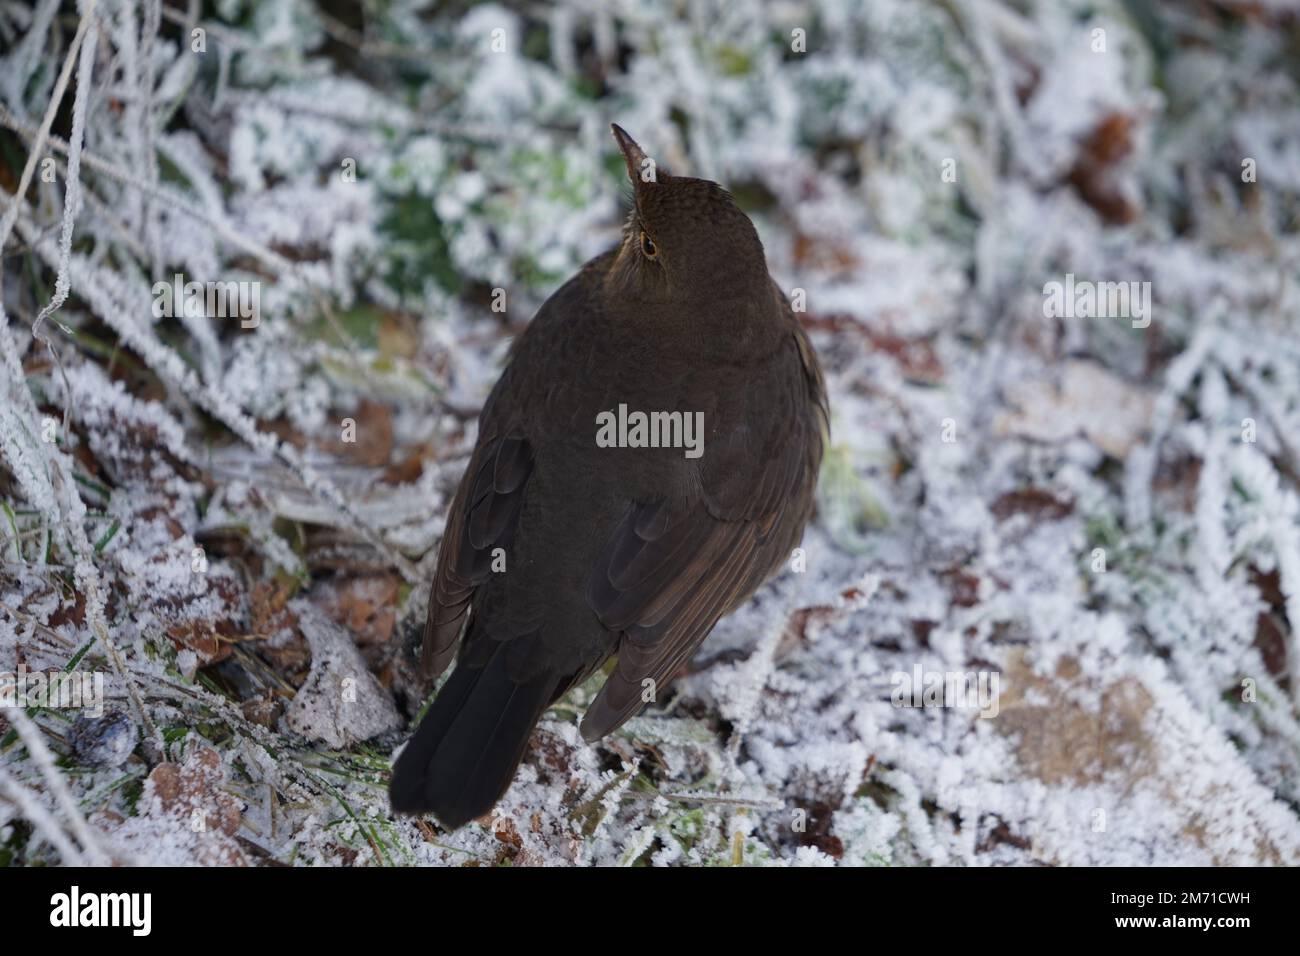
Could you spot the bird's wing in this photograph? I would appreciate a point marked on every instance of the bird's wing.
(486, 509)
(674, 566)
(482, 518)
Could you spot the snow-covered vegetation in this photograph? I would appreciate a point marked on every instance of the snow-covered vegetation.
(225, 518)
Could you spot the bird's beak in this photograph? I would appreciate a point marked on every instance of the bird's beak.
(635, 157)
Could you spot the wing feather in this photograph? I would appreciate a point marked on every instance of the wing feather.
(482, 518)
(674, 566)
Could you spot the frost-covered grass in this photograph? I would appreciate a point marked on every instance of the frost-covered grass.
(233, 527)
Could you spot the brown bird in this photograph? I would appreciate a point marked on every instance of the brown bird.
(560, 551)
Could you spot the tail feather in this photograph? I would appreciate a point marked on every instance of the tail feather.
(464, 754)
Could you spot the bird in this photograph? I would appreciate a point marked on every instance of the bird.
(561, 551)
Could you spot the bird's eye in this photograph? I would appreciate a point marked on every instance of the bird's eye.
(648, 248)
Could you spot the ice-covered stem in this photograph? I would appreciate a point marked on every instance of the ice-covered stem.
(152, 21)
(94, 285)
(44, 762)
(72, 188)
(43, 133)
(224, 231)
(69, 511)
(1257, 476)
(18, 65)
(1140, 470)
(71, 200)
(274, 262)
(63, 508)
(46, 826)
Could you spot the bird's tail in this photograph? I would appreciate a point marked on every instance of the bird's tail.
(462, 757)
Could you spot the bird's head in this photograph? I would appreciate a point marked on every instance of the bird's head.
(684, 238)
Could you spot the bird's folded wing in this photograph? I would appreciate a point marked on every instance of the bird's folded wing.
(488, 502)
(483, 517)
(674, 566)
